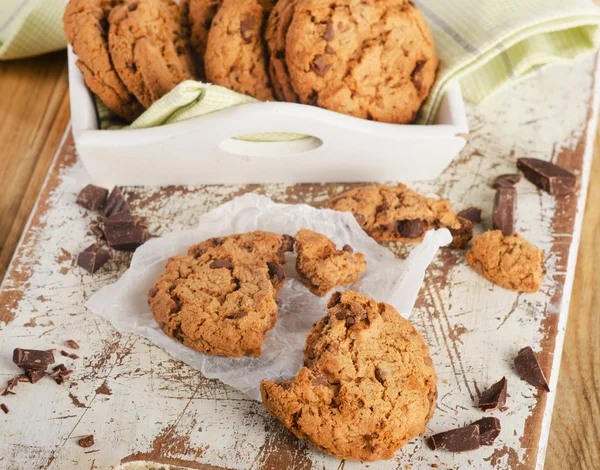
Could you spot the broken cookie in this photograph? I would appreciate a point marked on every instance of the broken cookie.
(321, 266)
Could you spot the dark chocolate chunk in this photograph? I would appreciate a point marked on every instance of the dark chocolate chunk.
(96, 230)
(92, 258)
(86, 441)
(4, 408)
(287, 245)
(348, 248)
(127, 238)
(506, 181)
(489, 429)
(335, 299)
(276, 273)
(456, 440)
(410, 228)
(32, 358)
(471, 213)
(529, 369)
(120, 221)
(547, 176)
(221, 263)
(503, 213)
(350, 321)
(116, 203)
(92, 197)
(494, 397)
(34, 375)
(71, 343)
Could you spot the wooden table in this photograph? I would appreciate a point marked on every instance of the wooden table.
(34, 112)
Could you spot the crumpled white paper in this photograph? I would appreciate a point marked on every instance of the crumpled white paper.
(386, 279)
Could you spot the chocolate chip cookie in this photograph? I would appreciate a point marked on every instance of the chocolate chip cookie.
(321, 267)
(400, 214)
(236, 55)
(86, 29)
(275, 34)
(509, 261)
(374, 59)
(367, 387)
(199, 15)
(220, 298)
(148, 44)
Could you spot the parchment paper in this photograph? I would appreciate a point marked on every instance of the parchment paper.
(386, 279)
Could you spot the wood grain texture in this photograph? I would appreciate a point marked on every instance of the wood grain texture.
(34, 112)
(575, 431)
(575, 435)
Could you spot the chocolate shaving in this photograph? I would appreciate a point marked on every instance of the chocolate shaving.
(60, 374)
(506, 181)
(12, 383)
(92, 197)
(71, 343)
(86, 441)
(547, 176)
(93, 258)
(503, 213)
(529, 369)
(456, 440)
(471, 213)
(4, 408)
(494, 397)
(32, 358)
(116, 203)
(489, 429)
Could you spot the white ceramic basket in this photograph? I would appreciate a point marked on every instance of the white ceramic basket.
(201, 150)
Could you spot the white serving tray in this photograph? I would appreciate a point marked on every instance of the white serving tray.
(201, 150)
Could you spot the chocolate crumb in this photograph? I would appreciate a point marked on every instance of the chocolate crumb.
(4, 408)
(529, 369)
(86, 441)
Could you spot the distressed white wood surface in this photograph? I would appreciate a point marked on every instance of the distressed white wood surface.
(142, 405)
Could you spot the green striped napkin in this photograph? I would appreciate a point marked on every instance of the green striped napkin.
(486, 44)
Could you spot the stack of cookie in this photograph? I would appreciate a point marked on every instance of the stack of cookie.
(373, 59)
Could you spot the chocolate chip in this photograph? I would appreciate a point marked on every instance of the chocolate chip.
(489, 429)
(410, 228)
(350, 321)
(506, 181)
(86, 441)
(4, 408)
(471, 213)
(92, 258)
(456, 440)
(185, 9)
(116, 203)
(131, 66)
(221, 263)
(547, 176)
(152, 292)
(320, 66)
(286, 385)
(335, 299)
(503, 212)
(348, 249)
(329, 49)
(34, 375)
(92, 197)
(329, 31)
(71, 343)
(529, 369)
(381, 374)
(382, 207)
(494, 397)
(360, 219)
(132, 6)
(287, 244)
(237, 315)
(416, 75)
(276, 273)
(247, 26)
(32, 358)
